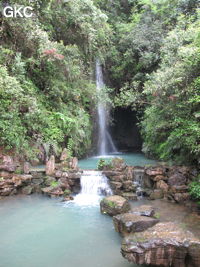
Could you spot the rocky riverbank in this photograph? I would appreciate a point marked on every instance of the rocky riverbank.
(152, 241)
(57, 179)
(154, 182)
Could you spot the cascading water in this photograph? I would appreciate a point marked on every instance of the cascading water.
(94, 185)
(138, 181)
(105, 142)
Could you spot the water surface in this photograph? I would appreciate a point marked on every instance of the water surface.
(131, 159)
(37, 231)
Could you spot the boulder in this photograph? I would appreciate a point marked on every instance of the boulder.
(177, 179)
(129, 173)
(6, 175)
(64, 155)
(159, 177)
(38, 181)
(74, 163)
(26, 167)
(53, 191)
(49, 180)
(144, 210)
(130, 195)
(63, 182)
(156, 194)
(50, 166)
(58, 174)
(128, 186)
(132, 223)
(116, 186)
(118, 163)
(6, 191)
(27, 190)
(18, 179)
(162, 185)
(74, 175)
(114, 205)
(110, 174)
(154, 171)
(181, 197)
(65, 175)
(179, 189)
(165, 244)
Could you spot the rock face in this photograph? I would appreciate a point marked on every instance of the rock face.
(50, 166)
(156, 194)
(65, 155)
(132, 223)
(144, 210)
(8, 164)
(114, 205)
(165, 244)
(156, 182)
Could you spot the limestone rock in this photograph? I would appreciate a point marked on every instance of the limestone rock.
(110, 174)
(49, 180)
(144, 210)
(128, 186)
(154, 171)
(6, 191)
(177, 179)
(50, 166)
(130, 196)
(132, 223)
(156, 194)
(162, 185)
(53, 191)
(159, 177)
(165, 244)
(27, 190)
(18, 179)
(116, 186)
(58, 174)
(74, 163)
(118, 163)
(181, 197)
(6, 175)
(179, 189)
(74, 175)
(114, 205)
(26, 167)
(64, 155)
(38, 181)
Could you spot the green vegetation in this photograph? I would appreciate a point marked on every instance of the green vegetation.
(194, 189)
(101, 164)
(67, 192)
(109, 203)
(54, 184)
(45, 87)
(151, 54)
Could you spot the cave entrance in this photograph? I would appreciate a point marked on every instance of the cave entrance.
(125, 131)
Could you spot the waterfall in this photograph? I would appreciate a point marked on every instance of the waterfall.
(94, 185)
(105, 142)
(138, 181)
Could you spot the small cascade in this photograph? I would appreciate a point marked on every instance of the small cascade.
(138, 181)
(94, 185)
(105, 142)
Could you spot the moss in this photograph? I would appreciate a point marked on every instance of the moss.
(67, 192)
(109, 203)
(157, 215)
(54, 184)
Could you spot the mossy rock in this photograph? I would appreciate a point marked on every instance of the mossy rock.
(114, 205)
